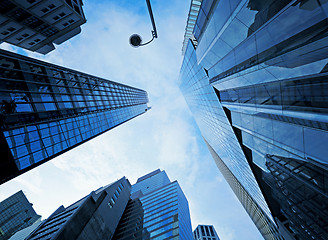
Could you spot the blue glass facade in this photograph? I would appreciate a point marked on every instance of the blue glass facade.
(47, 110)
(163, 210)
(255, 79)
(16, 213)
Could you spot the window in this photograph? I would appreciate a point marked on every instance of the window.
(44, 10)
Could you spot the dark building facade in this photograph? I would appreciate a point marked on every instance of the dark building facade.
(158, 209)
(16, 213)
(254, 76)
(205, 232)
(153, 208)
(37, 24)
(47, 110)
(93, 217)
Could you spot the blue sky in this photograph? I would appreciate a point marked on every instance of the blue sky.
(166, 137)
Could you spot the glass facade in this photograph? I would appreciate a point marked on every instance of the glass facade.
(16, 213)
(255, 81)
(159, 209)
(47, 110)
(301, 188)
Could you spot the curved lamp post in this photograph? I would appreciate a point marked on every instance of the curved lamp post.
(135, 39)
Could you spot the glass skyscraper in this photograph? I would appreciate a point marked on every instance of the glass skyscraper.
(16, 213)
(47, 109)
(158, 209)
(254, 76)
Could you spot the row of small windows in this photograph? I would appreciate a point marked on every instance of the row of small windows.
(112, 201)
(87, 84)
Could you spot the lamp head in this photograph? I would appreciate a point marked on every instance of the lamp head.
(135, 40)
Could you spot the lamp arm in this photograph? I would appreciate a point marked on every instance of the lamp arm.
(143, 44)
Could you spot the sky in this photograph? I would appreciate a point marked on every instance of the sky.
(165, 137)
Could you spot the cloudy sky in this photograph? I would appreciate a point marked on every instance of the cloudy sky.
(165, 137)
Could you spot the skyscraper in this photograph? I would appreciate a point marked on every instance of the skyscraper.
(254, 76)
(16, 213)
(154, 208)
(158, 209)
(93, 217)
(37, 24)
(205, 232)
(47, 110)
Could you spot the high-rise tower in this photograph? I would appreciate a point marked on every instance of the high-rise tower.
(158, 209)
(37, 24)
(205, 232)
(16, 213)
(255, 78)
(47, 110)
(93, 217)
(154, 208)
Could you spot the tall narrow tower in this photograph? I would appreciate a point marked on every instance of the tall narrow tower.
(205, 232)
(255, 78)
(16, 213)
(47, 110)
(158, 209)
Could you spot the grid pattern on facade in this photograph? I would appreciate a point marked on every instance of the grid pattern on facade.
(245, 44)
(205, 232)
(160, 211)
(47, 109)
(191, 21)
(131, 223)
(267, 61)
(301, 188)
(16, 213)
(214, 125)
(265, 225)
(32, 144)
(36, 24)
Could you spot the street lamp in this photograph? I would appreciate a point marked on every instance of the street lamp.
(135, 39)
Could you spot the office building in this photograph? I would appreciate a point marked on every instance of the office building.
(205, 232)
(47, 110)
(93, 217)
(254, 76)
(22, 234)
(37, 24)
(16, 213)
(158, 209)
(153, 208)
